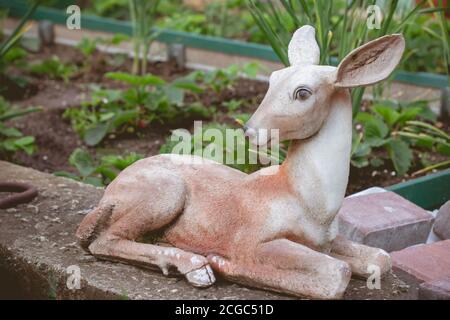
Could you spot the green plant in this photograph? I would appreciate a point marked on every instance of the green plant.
(97, 173)
(17, 33)
(228, 148)
(142, 14)
(53, 68)
(398, 130)
(11, 139)
(340, 26)
(147, 99)
(219, 80)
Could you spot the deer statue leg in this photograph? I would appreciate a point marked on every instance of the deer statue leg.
(285, 266)
(139, 210)
(193, 266)
(360, 257)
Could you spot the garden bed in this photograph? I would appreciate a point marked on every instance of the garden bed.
(56, 139)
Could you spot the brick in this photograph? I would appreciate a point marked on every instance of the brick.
(423, 263)
(384, 220)
(435, 290)
(442, 223)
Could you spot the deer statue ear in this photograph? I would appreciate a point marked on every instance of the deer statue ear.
(303, 48)
(370, 63)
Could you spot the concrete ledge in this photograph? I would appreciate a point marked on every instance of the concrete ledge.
(37, 245)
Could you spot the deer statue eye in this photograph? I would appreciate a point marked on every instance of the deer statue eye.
(302, 93)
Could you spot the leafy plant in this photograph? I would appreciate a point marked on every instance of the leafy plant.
(97, 173)
(11, 139)
(17, 33)
(142, 14)
(230, 149)
(219, 80)
(397, 129)
(340, 26)
(53, 68)
(147, 99)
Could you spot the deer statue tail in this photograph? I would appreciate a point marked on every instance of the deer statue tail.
(93, 224)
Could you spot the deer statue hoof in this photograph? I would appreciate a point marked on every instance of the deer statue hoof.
(202, 277)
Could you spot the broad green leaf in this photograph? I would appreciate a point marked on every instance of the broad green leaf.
(94, 135)
(136, 80)
(400, 155)
(9, 132)
(375, 131)
(175, 95)
(443, 149)
(82, 160)
(188, 85)
(359, 162)
(125, 117)
(389, 115)
(96, 182)
(66, 175)
(408, 114)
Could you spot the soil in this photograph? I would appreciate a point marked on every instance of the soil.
(56, 139)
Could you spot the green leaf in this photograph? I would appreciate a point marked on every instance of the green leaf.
(251, 69)
(389, 115)
(359, 162)
(375, 131)
(94, 135)
(125, 117)
(136, 80)
(409, 114)
(188, 85)
(9, 132)
(400, 155)
(82, 160)
(96, 182)
(443, 149)
(66, 174)
(175, 95)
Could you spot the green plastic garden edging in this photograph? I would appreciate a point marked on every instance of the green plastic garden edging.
(19, 7)
(429, 191)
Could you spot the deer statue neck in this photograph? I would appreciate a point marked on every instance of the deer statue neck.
(317, 168)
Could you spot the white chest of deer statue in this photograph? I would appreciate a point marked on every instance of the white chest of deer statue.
(272, 231)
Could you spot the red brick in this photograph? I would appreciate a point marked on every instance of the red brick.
(435, 290)
(423, 263)
(384, 220)
(442, 224)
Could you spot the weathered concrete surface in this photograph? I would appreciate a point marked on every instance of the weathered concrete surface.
(37, 244)
(442, 223)
(384, 220)
(423, 263)
(435, 290)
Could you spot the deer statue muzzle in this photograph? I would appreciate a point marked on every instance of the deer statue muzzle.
(277, 231)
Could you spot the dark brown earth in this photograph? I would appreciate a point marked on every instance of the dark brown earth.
(37, 244)
(56, 139)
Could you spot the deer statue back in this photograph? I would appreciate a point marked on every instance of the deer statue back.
(272, 231)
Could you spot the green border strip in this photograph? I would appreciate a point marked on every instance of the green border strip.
(233, 47)
(429, 192)
(437, 186)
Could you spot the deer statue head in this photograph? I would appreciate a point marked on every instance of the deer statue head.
(298, 100)
(273, 231)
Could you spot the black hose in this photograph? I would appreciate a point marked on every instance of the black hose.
(24, 193)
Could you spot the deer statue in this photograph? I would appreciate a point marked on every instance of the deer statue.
(271, 231)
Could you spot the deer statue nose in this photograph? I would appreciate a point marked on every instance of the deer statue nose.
(249, 132)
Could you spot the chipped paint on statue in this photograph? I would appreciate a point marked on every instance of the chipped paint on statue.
(276, 232)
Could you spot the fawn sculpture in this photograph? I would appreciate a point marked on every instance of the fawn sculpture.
(271, 231)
